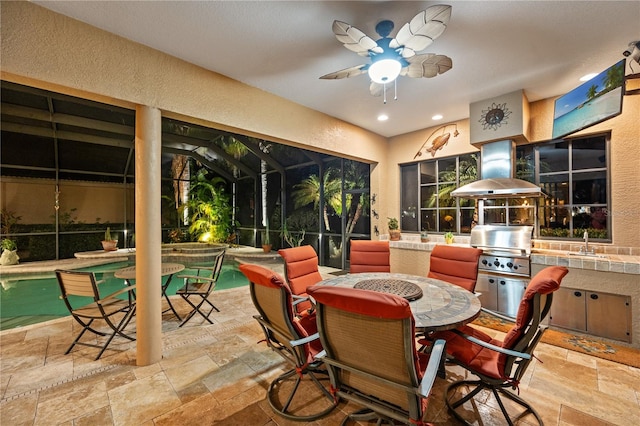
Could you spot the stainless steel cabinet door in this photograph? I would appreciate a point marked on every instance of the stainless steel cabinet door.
(609, 315)
(568, 309)
(510, 293)
(486, 285)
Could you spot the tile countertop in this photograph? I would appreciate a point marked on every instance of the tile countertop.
(608, 259)
(626, 264)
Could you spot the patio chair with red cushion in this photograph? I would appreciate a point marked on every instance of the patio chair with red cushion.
(301, 272)
(370, 352)
(498, 364)
(369, 256)
(456, 265)
(296, 340)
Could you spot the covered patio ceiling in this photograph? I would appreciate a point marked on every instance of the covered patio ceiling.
(45, 132)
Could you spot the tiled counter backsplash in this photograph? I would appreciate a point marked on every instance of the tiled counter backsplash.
(608, 258)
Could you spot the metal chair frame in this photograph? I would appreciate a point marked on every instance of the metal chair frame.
(519, 358)
(201, 286)
(355, 384)
(276, 320)
(76, 283)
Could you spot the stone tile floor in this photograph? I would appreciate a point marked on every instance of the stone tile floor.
(218, 374)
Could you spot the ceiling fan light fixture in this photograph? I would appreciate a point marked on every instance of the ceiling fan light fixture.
(385, 71)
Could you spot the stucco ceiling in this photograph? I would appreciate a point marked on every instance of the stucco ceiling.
(283, 47)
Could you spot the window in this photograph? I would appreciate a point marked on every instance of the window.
(430, 183)
(574, 174)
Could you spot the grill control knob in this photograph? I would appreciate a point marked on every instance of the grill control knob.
(484, 261)
(497, 263)
(509, 264)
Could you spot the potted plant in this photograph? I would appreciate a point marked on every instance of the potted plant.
(394, 229)
(448, 237)
(424, 236)
(9, 253)
(109, 244)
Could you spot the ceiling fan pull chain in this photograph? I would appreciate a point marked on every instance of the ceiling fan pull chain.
(395, 89)
(384, 93)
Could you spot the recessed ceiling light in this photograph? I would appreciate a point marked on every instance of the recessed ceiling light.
(588, 77)
(437, 117)
(383, 117)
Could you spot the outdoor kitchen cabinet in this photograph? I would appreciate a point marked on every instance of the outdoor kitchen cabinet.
(596, 313)
(500, 294)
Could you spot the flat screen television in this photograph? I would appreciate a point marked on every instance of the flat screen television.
(593, 102)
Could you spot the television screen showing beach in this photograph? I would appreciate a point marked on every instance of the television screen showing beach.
(590, 103)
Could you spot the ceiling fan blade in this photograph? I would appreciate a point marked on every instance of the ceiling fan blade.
(425, 27)
(427, 65)
(354, 39)
(376, 89)
(346, 73)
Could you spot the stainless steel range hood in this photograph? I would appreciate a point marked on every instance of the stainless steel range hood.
(497, 172)
(498, 188)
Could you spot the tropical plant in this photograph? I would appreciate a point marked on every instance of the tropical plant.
(210, 209)
(393, 223)
(448, 236)
(176, 235)
(8, 219)
(294, 239)
(308, 192)
(107, 235)
(8, 244)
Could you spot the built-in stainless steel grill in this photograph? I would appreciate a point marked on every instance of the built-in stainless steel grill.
(504, 267)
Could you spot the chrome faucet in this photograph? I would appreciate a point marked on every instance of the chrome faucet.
(585, 248)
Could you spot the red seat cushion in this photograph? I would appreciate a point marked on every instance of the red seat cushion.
(305, 325)
(368, 303)
(487, 361)
(301, 267)
(369, 256)
(457, 265)
(363, 302)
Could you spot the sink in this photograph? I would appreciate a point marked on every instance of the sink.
(595, 255)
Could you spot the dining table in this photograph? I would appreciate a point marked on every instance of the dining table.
(167, 270)
(436, 305)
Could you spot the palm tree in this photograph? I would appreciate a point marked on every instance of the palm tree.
(308, 192)
(468, 169)
(591, 93)
(615, 77)
(211, 210)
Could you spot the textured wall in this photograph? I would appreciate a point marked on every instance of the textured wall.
(34, 200)
(48, 50)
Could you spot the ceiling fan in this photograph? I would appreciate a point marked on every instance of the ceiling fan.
(391, 57)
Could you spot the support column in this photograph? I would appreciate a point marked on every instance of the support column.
(148, 148)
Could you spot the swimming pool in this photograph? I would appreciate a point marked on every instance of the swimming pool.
(30, 299)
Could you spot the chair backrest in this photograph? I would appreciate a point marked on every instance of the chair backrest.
(534, 307)
(272, 298)
(217, 265)
(77, 283)
(369, 256)
(374, 333)
(456, 265)
(300, 268)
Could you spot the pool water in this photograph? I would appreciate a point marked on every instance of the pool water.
(30, 299)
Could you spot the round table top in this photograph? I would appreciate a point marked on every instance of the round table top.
(443, 305)
(129, 273)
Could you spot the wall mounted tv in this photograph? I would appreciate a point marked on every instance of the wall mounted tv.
(593, 102)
